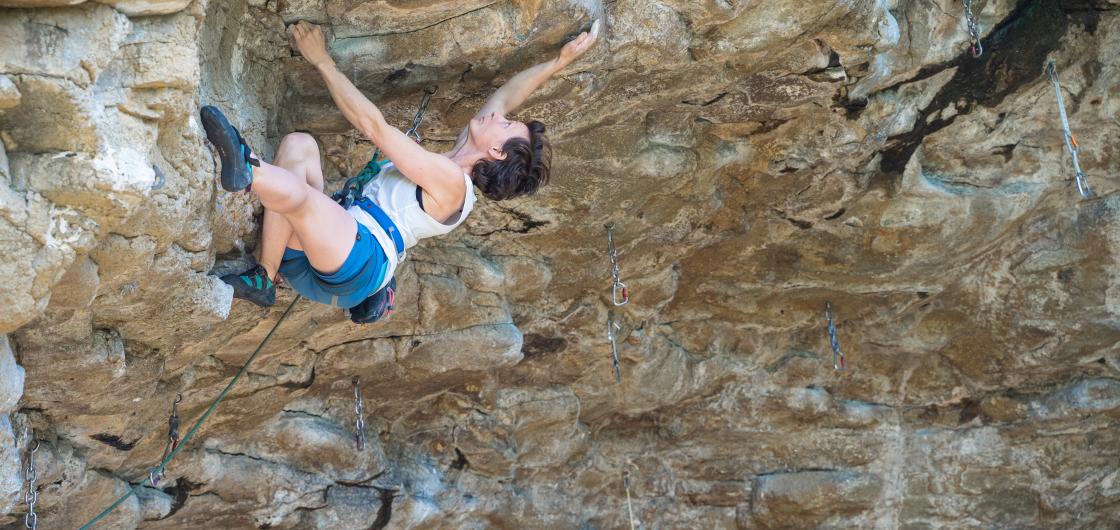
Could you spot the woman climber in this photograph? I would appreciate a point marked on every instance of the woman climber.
(346, 257)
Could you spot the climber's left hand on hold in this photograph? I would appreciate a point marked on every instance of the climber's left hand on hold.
(311, 43)
(572, 50)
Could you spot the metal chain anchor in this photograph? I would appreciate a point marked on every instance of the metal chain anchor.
(1070, 139)
(618, 287)
(612, 328)
(359, 415)
(414, 132)
(157, 474)
(629, 505)
(837, 355)
(975, 48)
(30, 494)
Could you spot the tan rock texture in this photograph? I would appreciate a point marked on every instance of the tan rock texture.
(756, 160)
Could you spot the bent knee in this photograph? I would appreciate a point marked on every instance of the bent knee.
(299, 145)
(299, 153)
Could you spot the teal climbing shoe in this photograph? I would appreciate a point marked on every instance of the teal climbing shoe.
(237, 164)
(376, 306)
(253, 285)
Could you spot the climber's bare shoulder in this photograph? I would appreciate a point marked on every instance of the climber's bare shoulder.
(441, 179)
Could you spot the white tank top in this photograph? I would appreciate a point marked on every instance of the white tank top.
(395, 194)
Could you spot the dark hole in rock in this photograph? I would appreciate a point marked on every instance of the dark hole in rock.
(1004, 150)
(461, 461)
(833, 59)
(385, 512)
(536, 345)
(969, 411)
(179, 493)
(114, 441)
(804, 225)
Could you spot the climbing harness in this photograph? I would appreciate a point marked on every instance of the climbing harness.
(618, 287)
(172, 439)
(629, 506)
(1070, 139)
(975, 48)
(359, 415)
(837, 355)
(612, 328)
(205, 415)
(30, 494)
(352, 189)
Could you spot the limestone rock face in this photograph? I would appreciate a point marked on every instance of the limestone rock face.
(11, 389)
(756, 160)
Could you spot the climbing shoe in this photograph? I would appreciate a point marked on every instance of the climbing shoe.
(253, 285)
(376, 306)
(237, 165)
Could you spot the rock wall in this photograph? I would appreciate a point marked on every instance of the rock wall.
(756, 159)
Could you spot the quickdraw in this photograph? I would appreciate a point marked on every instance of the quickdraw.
(157, 474)
(31, 494)
(612, 328)
(837, 355)
(1070, 139)
(976, 48)
(359, 415)
(618, 288)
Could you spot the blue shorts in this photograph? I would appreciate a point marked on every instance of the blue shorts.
(360, 275)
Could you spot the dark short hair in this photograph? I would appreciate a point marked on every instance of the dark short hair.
(522, 172)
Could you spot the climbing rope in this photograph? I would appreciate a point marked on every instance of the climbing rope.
(837, 355)
(618, 287)
(158, 470)
(1070, 139)
(975, 48)
(629, 506)
(30, 494)
(359, 415)
(172, 438)
(612, 328)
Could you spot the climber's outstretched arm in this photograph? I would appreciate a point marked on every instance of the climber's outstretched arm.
(427, 169)
(512, 94)
(355, 106)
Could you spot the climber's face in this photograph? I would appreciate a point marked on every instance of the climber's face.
(490, 132)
